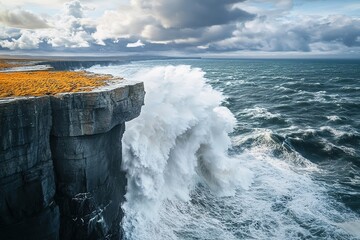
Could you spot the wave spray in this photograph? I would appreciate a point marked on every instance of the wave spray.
(180, 139)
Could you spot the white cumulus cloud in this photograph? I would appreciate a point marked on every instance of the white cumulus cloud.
(27, 40)
(68, 29)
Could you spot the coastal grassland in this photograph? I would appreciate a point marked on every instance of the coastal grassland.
(40, 83)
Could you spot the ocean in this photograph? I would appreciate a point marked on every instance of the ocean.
(243, 149)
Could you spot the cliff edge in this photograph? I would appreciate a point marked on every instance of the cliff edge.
(60, 163)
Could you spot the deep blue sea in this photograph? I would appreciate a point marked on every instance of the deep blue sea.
(243, 149)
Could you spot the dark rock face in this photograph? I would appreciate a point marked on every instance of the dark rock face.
(27, 185)
(60, 163)
(90, 183)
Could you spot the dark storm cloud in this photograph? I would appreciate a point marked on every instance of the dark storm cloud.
(170, 20)
(349, 35)
(196, 36)
(301, 35)
(198, 13)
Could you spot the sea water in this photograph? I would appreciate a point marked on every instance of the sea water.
(243, 149)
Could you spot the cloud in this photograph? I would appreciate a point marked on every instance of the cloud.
(301, 34)
(340, 29)
(168, 20)
(138, 43)
(74, 8)
(267, 7)
(187, 26)
(19, 18)
(69, 29)
(27, 40)
(194, 13)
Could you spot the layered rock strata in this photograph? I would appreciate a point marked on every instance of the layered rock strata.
(60, 163)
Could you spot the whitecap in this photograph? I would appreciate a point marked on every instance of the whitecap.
(333, 118)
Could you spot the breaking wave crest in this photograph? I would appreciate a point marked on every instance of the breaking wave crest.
(180, 139)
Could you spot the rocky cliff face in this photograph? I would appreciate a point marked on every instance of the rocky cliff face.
(60, 163)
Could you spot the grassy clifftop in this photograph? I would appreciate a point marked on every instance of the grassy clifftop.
(40, 83)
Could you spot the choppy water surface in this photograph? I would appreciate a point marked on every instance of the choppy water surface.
(292, 170)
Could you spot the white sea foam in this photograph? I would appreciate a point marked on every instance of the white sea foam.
(319, 96)
(28, 68)
(335, 132)
(259, 112)
(180, 138)
(333, 118)
(272, 208)
(352, 227)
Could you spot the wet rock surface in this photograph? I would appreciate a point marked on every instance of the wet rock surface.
(60, 163)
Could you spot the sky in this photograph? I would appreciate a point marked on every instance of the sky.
(214, 28)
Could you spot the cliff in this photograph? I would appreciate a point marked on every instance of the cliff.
(60, 163)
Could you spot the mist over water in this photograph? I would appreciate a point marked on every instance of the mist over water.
(276, 158)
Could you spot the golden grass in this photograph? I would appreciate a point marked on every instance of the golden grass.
(48, 82)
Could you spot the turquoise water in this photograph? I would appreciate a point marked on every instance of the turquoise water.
(298, 131)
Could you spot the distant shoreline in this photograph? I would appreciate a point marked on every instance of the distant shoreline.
(90, 58)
